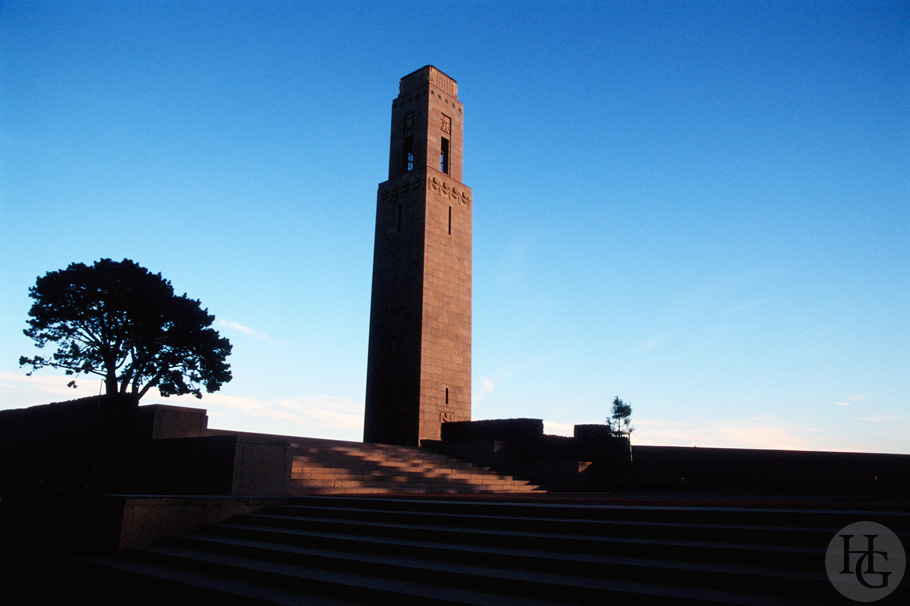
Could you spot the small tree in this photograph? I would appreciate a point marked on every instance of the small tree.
(620, 420)
(123, 323)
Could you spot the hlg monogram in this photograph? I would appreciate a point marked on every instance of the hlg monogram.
(865, 561)
(866, 557)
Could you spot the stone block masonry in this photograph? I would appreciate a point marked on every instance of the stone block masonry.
(419, 361)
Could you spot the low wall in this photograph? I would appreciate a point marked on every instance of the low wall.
(140, 520)
(494, 429)
(61, 463)
(108, 444)
(753, 470)
(160, 421)
(596, 461)
(227, 465)
(519, 448)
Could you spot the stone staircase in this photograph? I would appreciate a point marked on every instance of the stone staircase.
(334, 467)
(489, 550)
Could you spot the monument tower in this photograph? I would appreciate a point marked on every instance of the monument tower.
(419, 361)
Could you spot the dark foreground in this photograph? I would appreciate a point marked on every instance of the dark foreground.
(484, 549)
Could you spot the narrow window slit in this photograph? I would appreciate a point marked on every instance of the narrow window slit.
(444, 156)
(450, 220)
(407, 156)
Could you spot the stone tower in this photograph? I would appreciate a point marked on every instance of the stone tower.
(419, 361)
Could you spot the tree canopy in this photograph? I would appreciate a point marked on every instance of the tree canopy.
(620, 418)
(119, 321)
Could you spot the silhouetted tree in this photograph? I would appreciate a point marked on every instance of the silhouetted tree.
(619, 419)
(121, 322)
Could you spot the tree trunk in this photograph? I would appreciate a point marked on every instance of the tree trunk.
(110, 381)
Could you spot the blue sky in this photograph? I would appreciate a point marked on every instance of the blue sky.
(701, 207)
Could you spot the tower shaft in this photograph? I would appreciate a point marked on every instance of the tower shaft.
(419, 361)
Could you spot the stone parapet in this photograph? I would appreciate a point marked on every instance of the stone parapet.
(428, 75)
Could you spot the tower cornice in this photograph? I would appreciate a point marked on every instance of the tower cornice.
(428, 74)
(433, 180)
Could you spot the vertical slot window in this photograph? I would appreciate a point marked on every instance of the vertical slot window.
(450, 220)
(407, 156)
(407, 149)
(399, 218)
(444, 156)
(447, 395)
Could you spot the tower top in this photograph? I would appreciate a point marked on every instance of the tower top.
(427, 124)
(428, 75)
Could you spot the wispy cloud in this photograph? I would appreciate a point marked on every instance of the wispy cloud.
(237, 326)
(487, 385)
(24, 390)
(304, 415)
(651, 344)
(761, 433)
(885, 419)
(738, 433)
(852, 398)
(553, 428)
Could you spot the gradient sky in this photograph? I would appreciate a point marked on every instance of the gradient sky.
(701, 207)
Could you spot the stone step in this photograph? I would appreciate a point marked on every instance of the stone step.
(212, 579)
(375, 452)
(302, 465)
(476, 545)
(379, 580)
(398, 475)
(137, 582)
(327, 470)
(582, 557)
(522, 573)
(302, 462)
(625, 542)
(662, 521)
(470, 519)
(371, 489)
(389, 491)
(689, 510)
(404, 488)
(348, 468)
(516, 550)
(412, 465)
(343, 488)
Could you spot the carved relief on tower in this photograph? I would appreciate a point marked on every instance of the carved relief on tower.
(442, 81)
(446, 124)
(395, 189)
(441, 186)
